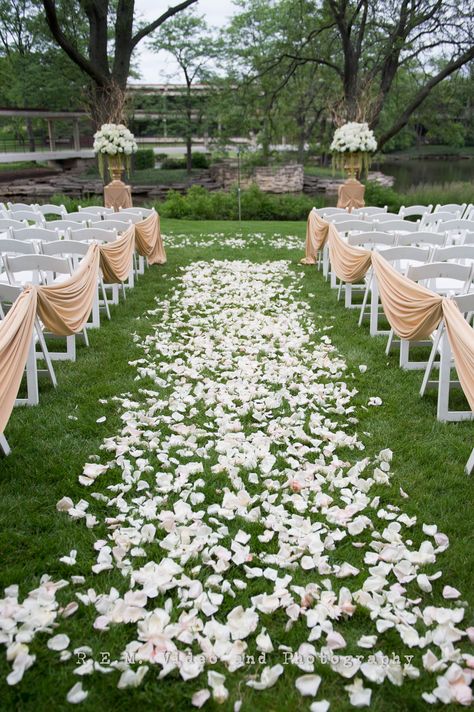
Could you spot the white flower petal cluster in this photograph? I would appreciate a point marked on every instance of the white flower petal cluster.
(237, 491)
(112, 139)
(354, 137)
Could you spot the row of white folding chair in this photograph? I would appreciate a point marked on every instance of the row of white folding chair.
(8, 295)
(382, 240)
(457, 209)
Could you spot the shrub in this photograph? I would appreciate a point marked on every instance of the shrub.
(144, 158)
(426, 193)
(173, 163)
(379, 195)
(199, 160)
(201, 204)
(161, 157)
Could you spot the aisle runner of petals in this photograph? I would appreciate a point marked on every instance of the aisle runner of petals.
(238, 493)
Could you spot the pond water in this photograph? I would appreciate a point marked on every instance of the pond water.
(413, 172)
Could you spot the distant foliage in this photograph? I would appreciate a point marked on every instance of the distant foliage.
(201, 204)
(198, 160)
(144, 158)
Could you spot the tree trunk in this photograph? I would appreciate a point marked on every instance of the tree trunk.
(189, 154)
(106, 103)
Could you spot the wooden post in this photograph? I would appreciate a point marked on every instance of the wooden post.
(76, 135)
(52, 142)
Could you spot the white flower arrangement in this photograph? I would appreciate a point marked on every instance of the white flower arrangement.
(354, 138)
(114, 140)
(351, 147)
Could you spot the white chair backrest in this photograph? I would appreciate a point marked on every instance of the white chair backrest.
(132, 217)
(423, 238)
(319, 211)
(436, 218)
(456, 225)
(372, 239)
(19, 206)
(9, 293)
(51, 209)
(347, 225)
(81, 216)
(436, 273)
(383, 217)
(63, 225)
(30, 216)
(9, 246)
(369, 210)
(454, 252)
(399, 226)
(149, 211)
(457, 208)
(89, 234)
(96, 209)
(468, 238)
(65, 248)
(115, 224)
(415, 210)
(7, 223)
(407, 254)
(43, 267)
(465, 302)
(34, 233)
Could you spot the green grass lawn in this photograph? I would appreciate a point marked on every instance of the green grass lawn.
(154, 176)
(50, 449)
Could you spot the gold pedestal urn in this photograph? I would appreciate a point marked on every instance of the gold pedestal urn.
(116, 167)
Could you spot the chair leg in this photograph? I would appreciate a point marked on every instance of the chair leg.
(71, 347)
(468, 469)
(431, 360)
(4, 446)
(339, 291)
(442, 408)
(45, 352)
(123, 291)
(31, 377)
(104, 298)
(86, 337)
(389, 342)
(365, 300)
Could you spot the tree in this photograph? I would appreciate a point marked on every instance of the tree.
(108, 74)
(187, 38)
(364, 45)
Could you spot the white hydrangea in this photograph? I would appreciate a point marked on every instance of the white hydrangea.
(112, 139)
(353, 137)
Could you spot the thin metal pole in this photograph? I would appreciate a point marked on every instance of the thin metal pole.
(238, 186)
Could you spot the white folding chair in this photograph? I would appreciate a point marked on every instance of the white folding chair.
(62, 226)
(420, 238)
(456, 229)
(444, 278)
(146, 212)
(34, 234)
(464, 254)
(19, 206)
(369, 211)
(4, 446)
(103, 235)
(401, 258)
(400, 227)
(29, 216)
(81, 216)
(385, 217)
(7, 223)
(75, 251)
(45, 270)
(8, 295)
(370, 241)
(322, 212)
(444, 383)
(12, 248)
(456, 209)
(432, 220)
(99, 210)
(51, 209)
(111, 224)
(415, 211)
(345, 225)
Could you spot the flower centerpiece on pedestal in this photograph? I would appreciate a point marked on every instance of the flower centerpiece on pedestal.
(352, 146)
(117, 143)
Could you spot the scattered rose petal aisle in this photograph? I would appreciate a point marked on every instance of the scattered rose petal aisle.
(237, 498)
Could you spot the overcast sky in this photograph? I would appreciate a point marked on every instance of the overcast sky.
(157, 68)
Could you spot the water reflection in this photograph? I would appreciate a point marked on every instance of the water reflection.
(413, 172)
